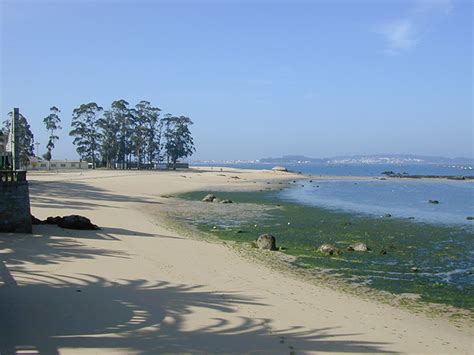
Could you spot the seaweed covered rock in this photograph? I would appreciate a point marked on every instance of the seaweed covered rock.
(329, 249)
(209, 198)
(266, 242)
(358, 247)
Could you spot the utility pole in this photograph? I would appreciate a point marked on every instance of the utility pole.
(15, 152)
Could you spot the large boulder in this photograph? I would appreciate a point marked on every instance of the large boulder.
(266, 242)
(209, 198)
(358, 247)
(76, 222)
(328, 249)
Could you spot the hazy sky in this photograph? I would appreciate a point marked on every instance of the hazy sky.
(258, 78)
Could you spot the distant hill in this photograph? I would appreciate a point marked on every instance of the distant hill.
(370, 159)
(293, 159)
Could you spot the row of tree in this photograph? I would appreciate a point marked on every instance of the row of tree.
(121, 137)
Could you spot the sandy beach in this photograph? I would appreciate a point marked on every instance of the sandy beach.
(137, 286)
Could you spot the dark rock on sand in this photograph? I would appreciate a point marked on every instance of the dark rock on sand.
(76, 222)
(328, 249)
(209, 198)
(358, 247)
(266, 242)
(35, 221)
(52, 220)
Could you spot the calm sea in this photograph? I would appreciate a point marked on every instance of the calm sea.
(399, 198)
(360, 169)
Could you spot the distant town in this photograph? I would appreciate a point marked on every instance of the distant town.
(463, 163)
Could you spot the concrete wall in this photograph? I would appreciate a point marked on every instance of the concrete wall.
(15, 215)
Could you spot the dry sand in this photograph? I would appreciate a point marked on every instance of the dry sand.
(137, 287)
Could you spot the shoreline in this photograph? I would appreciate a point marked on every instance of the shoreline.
(259, 307)
(314, 273)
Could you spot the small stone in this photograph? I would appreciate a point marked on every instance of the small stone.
(328, 249)
(266, 242)
(358, 247)
(209, 198)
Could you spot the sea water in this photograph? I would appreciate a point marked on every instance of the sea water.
(398, 198)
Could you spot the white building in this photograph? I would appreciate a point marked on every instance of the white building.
(58, 165)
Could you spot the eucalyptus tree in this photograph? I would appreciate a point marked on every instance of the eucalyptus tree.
(86, 131)
(123, 117)
(51, 122)
(179, 142)
(109, 138)
(25, 138)
(147, 118)
(138, 137)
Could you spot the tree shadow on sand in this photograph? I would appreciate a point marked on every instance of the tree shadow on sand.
(46, 312)
(76, 195)
(89, 312)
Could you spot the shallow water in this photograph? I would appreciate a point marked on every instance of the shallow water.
(442, 253)
(397, 198)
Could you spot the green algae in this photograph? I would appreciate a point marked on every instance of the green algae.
(441, 253)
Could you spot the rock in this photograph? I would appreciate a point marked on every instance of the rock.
(470, 218)
(279, 168)
(414, 269)
(435, 202)
(76, 222)
(358, 247)
(209, 198)
(266, 242)
(35, 221)
(383, 252)
(53, 220)
(328, 249)
(216, 200)
(226, 201)
(387, 215)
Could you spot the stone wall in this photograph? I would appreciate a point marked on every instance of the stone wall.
(15, 215)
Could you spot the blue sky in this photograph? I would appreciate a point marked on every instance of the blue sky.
(260, 78)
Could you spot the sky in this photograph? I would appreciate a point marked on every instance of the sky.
(258, 78)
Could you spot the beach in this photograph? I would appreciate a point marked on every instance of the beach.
(139, 286)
